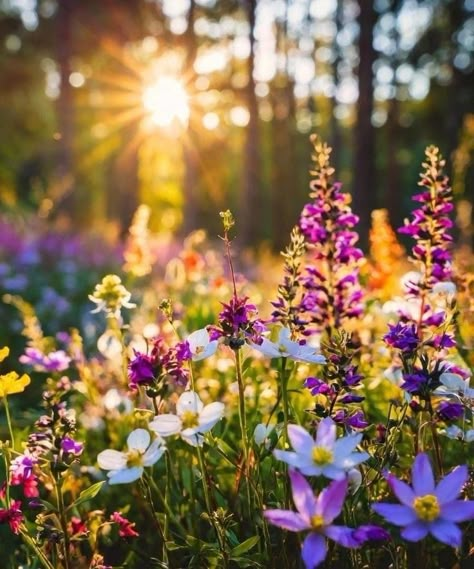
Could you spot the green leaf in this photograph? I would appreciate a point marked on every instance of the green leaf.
(245, 546)
(88, 494)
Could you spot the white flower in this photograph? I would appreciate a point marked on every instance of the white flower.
(454, 432)
(287, 348)
(454, 384)
(326, 456)
(192, 419)
(447, 288)
(128, 466)
(200, 345)
(261, 434)
(355, 480)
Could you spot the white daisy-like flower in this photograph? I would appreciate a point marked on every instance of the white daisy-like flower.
(262, 433)
(285, 347)
(327, 455)
(200, 345)
(191, 421)
(127, 466)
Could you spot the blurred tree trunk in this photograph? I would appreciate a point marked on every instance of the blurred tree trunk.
(191, 166)
(335, 140)
(283, 178)
(65, 110)
(251, 210)
(364, 195)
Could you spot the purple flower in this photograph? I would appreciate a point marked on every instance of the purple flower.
(71, 446)
(428, 508)
(316, 514)
(238, 323)
(141, 370)
(54, 361)
(450, 411)
(403, 337)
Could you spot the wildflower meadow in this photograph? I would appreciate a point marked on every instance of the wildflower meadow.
(182, 407)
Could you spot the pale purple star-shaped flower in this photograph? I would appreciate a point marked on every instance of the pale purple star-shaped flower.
(426, 507)
(316, 514)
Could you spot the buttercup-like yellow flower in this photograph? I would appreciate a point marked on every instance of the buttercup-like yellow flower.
(11, 382)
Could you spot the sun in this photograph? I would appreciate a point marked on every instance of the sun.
(166, 101)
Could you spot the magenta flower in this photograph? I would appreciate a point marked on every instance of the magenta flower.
(426, 507)
(316, 514)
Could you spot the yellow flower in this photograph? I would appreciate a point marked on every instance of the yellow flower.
(12, 383)
(4, 353)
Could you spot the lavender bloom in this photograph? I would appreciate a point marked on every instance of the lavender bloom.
(22, 465)
(316, 514)
(404, 337)
(450, 411)
(71, 446)
(331, 283)
(54, 361)
(428, 508)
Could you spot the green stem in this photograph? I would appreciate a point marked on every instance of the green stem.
(63, 521)
(243, 424)
(9, 421)
(31, 543)
(149, 499)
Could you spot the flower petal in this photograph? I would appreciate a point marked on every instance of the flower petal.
(301, 441)
(189, 401)
(422, 475)
(343, 536)
(396, 514)
(198, 339)
(154, 452)
(415, 531)
(314, 550)
(189, 436)
(401, 490)
(303, 496)
(331, 500)
(346, 445)
(286, 519)
(446, 532)
(268, 349)
(294, 459)
(210, 415)
(450, 486)
(166, 425)
(326, 435)
(458, 511)
(333, 472)
(112, 459)
(126, 475)
(139, 439)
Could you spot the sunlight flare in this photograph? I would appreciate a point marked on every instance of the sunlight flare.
(166, 100)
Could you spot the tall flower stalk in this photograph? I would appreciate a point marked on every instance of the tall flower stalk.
(332, 293)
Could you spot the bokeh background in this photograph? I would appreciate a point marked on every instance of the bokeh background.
(194, 106)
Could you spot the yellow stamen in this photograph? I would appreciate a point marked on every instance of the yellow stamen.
(190, 419)
(134, 458)
(322, 456)
(317, 522)
(427, 507)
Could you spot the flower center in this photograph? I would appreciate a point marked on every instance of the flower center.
(317, 522)
(199, 350)
(134, 458)
(189, 419)
(322, 456)
(426, 507)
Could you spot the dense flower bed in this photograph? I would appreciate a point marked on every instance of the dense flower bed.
(178, 427)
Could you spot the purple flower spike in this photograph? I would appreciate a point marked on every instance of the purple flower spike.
(428, 508)
(316, 514)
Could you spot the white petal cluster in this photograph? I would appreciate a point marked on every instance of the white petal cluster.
(127, 466)
(200, 345)
(287, 348)
(191, 421)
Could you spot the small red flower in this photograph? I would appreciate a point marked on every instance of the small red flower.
(125, 526)
(12, 516)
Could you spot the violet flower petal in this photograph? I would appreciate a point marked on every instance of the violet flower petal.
(331, 500)
(446, 532)
(396, 514)
(286, 519)
(422, 476)
(314, 550)
(450, 486)
(415, 531)
(300, 439)
(401, 490)
(303, 496)
(458, 511)
(326, 434)
(343, 536)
